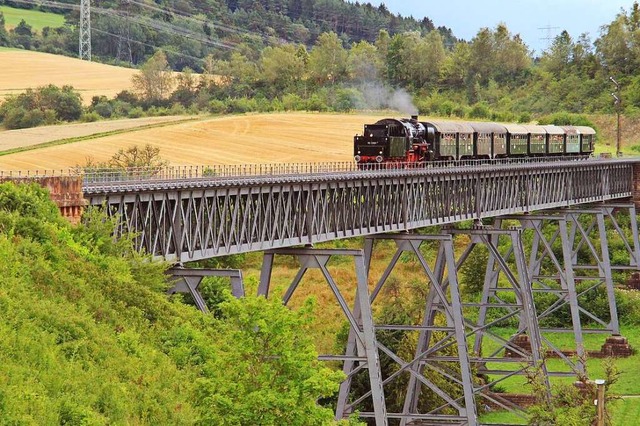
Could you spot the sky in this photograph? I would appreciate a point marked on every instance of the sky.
(534, 20)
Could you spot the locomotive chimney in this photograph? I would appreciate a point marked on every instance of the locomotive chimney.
(414, 117)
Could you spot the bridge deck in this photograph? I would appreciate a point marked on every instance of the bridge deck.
(190, 219)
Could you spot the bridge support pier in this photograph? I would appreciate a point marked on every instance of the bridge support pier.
(188, 281)
(362, 350)
(496, 309)
(441, 353)
(550, 274)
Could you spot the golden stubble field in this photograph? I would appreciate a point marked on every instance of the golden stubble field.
(244, 139)
(22, 69)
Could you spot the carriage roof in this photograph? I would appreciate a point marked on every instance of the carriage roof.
(554, 130)
(488, 127)
(451, 126)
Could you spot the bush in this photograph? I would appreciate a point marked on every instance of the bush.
(241, 105)
(316, 103)
(177, 109)
(480, 110)
(292, 102)
(136, 112)
(216, 106)
(347, 99)
(121, 108)
(90, 117)
(524, 117)
(104, 109)
(13, 118)
(566, 119)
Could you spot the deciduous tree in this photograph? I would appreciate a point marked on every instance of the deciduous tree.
(155, 80)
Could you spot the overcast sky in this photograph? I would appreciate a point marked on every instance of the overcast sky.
(529, 18)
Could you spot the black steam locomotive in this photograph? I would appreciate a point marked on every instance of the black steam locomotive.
(411, 141)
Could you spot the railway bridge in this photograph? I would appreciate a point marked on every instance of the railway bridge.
(544, 224)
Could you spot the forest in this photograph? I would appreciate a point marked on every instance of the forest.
(333, 55)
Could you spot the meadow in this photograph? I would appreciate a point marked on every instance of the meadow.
(35, 18)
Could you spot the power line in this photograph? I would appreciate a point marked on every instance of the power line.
(145, 21)
(175, 52)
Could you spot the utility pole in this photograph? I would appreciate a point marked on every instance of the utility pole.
(600, 413)
(85, 30)
(618, 105)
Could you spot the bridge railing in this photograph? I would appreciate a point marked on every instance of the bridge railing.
(101, 176)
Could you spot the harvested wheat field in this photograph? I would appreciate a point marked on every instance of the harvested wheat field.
(22, 138)
(246, 139)
(23, 69)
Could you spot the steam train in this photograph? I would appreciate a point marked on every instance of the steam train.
(411, 141)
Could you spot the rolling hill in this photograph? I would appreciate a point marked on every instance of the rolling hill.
(23, 69)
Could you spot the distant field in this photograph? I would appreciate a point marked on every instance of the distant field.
(23, 69)
(38, 20)
(12, 140)
(259, 138)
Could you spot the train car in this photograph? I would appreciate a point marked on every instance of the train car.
(517, 140)
(393, 140)
(555, 140)
(490, 140)
(450, 140)
(572, 140)
(587, 139)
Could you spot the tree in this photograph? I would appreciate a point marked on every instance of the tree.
(155, 81)
(134, 156)
(275, 376)
(364, 64)
(328, 60)
(559, 56)
(281, 68)
(4, 37)
(22, 35)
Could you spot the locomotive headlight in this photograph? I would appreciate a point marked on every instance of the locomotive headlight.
(357, 158)
(379, 159)
(380, 153)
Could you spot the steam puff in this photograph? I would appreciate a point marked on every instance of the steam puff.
(378, 96)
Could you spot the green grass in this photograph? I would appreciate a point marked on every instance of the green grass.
(624, 412)
(38, 20)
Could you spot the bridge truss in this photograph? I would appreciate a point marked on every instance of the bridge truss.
(549, 252)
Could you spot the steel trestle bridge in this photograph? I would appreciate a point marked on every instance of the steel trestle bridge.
(564, 206)
(181, 215)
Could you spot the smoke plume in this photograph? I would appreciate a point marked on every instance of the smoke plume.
(378, 96)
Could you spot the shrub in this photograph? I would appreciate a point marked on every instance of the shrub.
(316, 103)
(241, 105)
(566, 119)
(177, 109)
(121, 108)
(292, 102)
(524, 117)
(480, 110)
(216, 106)
(89, 117)
(13, 118)
(104, 109)
(136, 112)
(347, 99)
